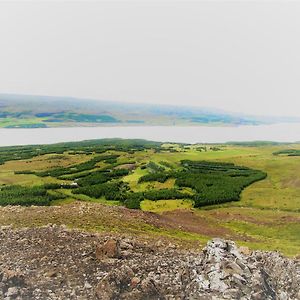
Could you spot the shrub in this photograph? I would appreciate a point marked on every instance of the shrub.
(19, 195)
(133, 200)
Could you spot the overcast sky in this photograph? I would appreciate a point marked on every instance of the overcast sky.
(234, 55)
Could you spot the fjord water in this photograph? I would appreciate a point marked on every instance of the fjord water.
(287, 132)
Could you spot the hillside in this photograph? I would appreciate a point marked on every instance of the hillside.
(67, 264)
(128, 219)
(194, 192)
(23, 111)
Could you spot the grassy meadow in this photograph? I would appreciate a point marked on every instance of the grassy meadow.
(267, 216)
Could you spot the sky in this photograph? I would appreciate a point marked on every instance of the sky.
(239, 56)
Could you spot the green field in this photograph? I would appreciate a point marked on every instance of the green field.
(201, 180)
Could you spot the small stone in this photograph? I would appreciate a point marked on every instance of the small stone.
(87, 285)
(233, 268)
(51, 273)
(159, 243)
(105, 290)
(126, 254)
(12, 292)
(283, 296)
(126, 245)
(135, 281)
(148, 287)
(231, 294)
(111, 249)
(245, 250)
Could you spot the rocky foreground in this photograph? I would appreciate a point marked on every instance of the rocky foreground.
(55, 263)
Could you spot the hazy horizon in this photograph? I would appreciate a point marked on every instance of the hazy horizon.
(137, 104)
(235, 56)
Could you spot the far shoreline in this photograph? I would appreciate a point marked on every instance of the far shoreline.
(286, 133)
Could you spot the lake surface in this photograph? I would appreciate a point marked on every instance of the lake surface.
(287, 132)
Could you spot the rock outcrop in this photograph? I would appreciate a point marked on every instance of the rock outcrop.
(55, 263)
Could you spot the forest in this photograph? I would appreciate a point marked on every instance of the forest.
(104, 169)
(288, 152)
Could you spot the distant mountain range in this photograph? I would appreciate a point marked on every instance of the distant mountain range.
(25, 111)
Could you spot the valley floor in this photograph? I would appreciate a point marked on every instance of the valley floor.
(267, 217)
